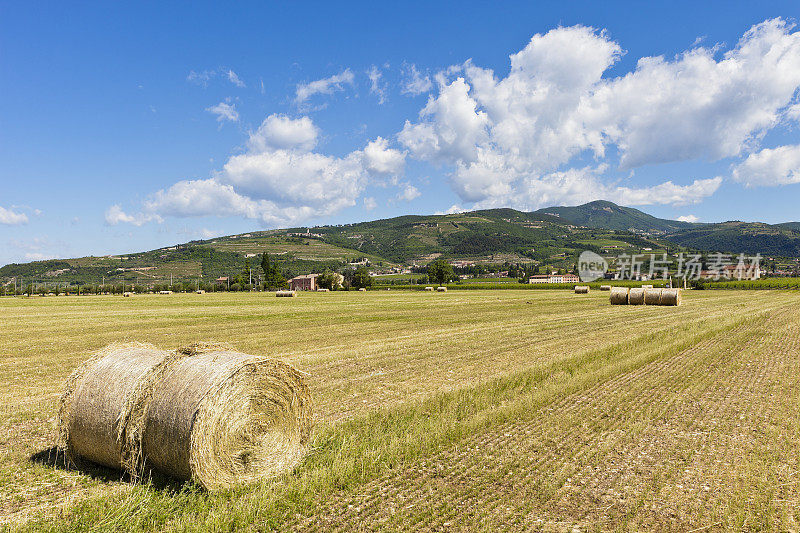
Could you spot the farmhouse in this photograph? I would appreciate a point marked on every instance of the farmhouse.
(307, 282)
(554, 278)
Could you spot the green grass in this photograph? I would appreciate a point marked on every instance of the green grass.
(386, 403)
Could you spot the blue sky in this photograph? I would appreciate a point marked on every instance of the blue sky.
(129, 127)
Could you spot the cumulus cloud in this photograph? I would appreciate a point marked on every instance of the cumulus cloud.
(687, 218)
(370, 203)
(414, 82)
(324, 86)
(770, 167)
(224, 111)
(375, 86)
(279, 179)
(509, 139)
(10, 217)
(409, 193)
(279, 132)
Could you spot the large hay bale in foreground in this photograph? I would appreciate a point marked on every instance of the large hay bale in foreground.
(671, 297)
(605, 287)
(636, 296)
(581, 289)
(285, 294)
(652, 296)
(205, 413)
(619, 296)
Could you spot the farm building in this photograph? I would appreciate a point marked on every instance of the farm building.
(554, 278)
(307, 282)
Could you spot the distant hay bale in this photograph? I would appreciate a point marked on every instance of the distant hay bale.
(323, 290)
(204, 413)
(363, 289)
(636, 296)
(441, 289)
(581, 289)
(127, 294)
(647, 286)
(605, 287)
(164, 292)
(671, 297)
(285, 294)
(200, 291)
(428, 288)
(652, 296)
(619, 296)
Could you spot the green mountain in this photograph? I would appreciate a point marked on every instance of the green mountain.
(553, 237)
(602, 214)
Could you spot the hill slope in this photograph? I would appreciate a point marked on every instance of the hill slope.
(608, 215)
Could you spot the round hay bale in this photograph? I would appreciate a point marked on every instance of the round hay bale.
(647, 286)
(98, 399)
(429, 288)
(581, 289)
(362, 289)
(605, 287)
(619, 296)
(221, 417)
(204, 413)
(671, 297)
(441, 289)
(636, 296)
(323, 290)
(652, 296)
(285, 294)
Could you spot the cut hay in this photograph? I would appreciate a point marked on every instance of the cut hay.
(619, 296)
(204, 413)
(323, 290)
(671, 297)
(164, 292)
(652, 296)
(200, 291)
(429, 288)
(581, 289)
(647, 286)
(605, 287)
(441, 289)
(127, 294)
(285, 294)
(362, 289)
(636, 296)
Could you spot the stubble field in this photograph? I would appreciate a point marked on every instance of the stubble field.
(466, 410)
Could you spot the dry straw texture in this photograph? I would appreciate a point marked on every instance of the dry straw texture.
(636, 297)
(204, 413)
(619, 296)
(428, 288)
(581, 289)
(441, 289)
(671, 297)
(652, 296)
(286, 294)
(605, 287)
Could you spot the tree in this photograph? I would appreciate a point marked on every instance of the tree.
(272, 276)
(328, 280)
(440, 271)
(361, 278)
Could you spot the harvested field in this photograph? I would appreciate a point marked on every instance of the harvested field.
(484, 410)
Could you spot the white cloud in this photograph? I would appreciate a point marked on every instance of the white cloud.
(12, 218)
(324, 86)
(370, 203)
(279, 132)
(770, 167)
(115, 215)
(453, 209)
(511, 138)
(687, 218)
(409, 193)
(375, 86)
(234, 79)
(415, 83)
(200, 78)
(224, 111)
(381, 160)
(38, 256)
(278, 180)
